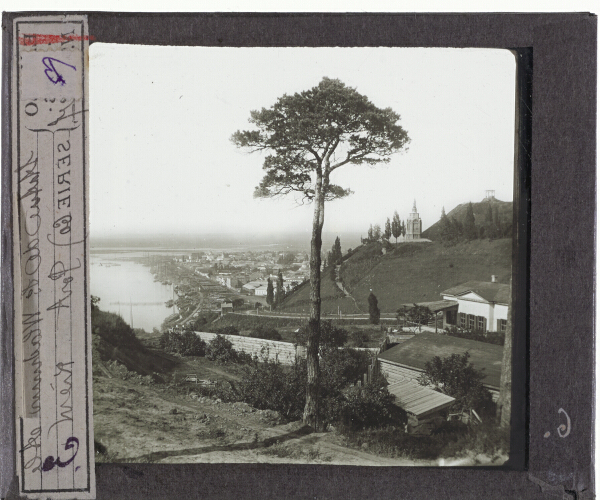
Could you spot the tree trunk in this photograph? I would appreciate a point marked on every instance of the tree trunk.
(504, 400)
(310, 416)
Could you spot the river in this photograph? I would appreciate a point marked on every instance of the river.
(128, 288)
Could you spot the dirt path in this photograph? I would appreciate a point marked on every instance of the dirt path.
(151, 424)
(157, 424)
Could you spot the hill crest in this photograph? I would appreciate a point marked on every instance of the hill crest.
(505, 214)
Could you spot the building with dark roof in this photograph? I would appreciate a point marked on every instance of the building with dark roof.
(482, 305)
(406, 361)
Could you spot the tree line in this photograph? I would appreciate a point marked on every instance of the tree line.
(453, 231)
(395, 228)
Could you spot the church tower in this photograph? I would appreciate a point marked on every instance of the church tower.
(413, 224)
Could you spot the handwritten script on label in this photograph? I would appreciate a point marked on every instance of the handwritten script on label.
(52, 73)
(52, 327)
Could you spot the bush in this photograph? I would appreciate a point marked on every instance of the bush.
(358, 338)
(200, 322)
(113, 329)
(341, 367)
(185, 343)
(370, 406)
(330, 335)
(265, 385)
(220, 350)
(455, 376)
(489, 337)
(264, 332)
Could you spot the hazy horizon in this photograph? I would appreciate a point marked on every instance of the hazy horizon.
(161, 119)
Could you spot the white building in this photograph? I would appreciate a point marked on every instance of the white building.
(482, 306)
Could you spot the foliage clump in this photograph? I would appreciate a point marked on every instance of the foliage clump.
(374, 312)
(265, 332)
(221, 350)
(185, 343)
(496, 338)
(266, 384)
(455, 376)
(330, 336)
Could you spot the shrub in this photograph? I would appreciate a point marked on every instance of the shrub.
(265, 385)
(200, 322)
(341, 367)
(186, 343)
(330, 335)
(220, 350)
(264, 332)
(489, 337)
(455, 376)
(113, 329)
(370, 406)
(358, 338)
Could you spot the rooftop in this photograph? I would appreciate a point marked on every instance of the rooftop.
(417, 399)
(490, 291)
(417, 351)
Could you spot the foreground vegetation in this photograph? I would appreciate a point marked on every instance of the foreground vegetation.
(363, 416)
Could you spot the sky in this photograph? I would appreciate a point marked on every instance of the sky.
(161, 119)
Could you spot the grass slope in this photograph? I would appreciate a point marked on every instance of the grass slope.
(418, 272)
(412, 272)
(331, 298)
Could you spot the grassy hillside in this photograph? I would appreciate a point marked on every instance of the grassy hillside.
(331, 296)
(114, 340)
(418, 272)
(505, 214)
(412, 272)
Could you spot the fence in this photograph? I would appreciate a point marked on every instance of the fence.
(284, 352)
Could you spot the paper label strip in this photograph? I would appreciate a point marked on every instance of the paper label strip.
(50, 226)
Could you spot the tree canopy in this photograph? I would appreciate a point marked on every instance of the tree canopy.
(329, 124)
(456, 376)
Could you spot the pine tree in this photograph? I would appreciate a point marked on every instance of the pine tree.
(370, 233)
(489, 217)
(396, 226)
(446, 230)
(387, 232)
(269, 292)
(308, 136)
(470, 230)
